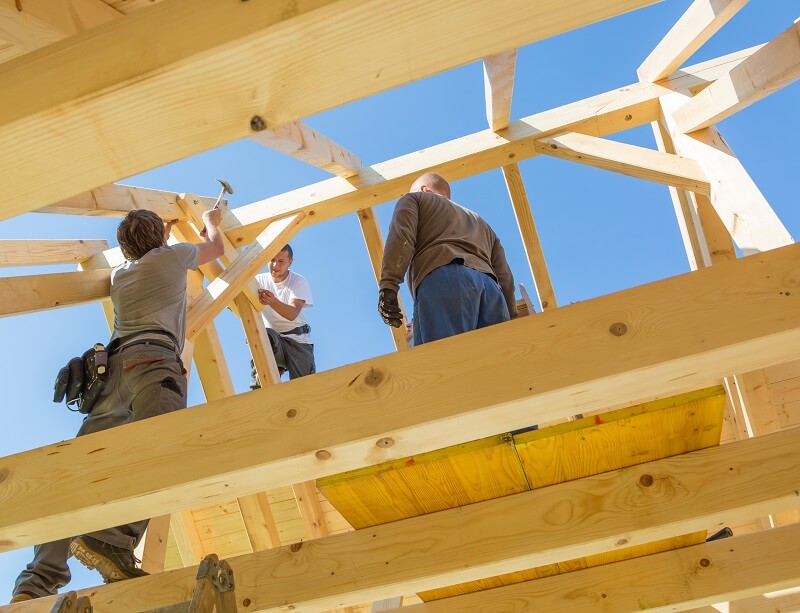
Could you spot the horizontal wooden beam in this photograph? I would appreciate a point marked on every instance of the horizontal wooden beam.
(127, 111)
(626, 159)
(773, 67)
(32, 293)
(31, 24)
(664, 338)
(703, 574)
(39, 252)
(699, 23)
(115, 200)
(601, 513)
(613, 111)
(305, 143)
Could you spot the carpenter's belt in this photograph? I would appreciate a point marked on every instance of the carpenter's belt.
(304, 329)
(167, 341)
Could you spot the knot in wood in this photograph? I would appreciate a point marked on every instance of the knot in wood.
(705, 562)
(618, 329)
(295, 547)
(246, 602)
(646, 480)
(291, 413)
(323, 455)
(622, 542)
(374, 377)
(385, 442)
(628, 117)
(4, 474)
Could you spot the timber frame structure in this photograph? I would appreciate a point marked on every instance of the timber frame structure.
(246, 487)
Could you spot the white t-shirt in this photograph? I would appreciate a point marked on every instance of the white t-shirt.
(294, 286)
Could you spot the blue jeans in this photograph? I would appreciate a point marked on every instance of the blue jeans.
(453, 299)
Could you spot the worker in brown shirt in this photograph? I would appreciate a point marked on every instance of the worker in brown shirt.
(457, 269)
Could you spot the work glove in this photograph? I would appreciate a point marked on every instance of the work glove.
(389, 308)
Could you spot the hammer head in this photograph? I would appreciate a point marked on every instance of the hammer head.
(226, 187)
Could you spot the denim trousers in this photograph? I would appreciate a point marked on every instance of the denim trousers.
(453, 299)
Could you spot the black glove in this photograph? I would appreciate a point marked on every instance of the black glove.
(389, 308)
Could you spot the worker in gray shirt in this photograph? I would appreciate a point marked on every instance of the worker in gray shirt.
(457, 269)
(146, 378)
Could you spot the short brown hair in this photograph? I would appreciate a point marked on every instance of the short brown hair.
(139, 232)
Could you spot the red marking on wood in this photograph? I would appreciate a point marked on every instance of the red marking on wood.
(597, 420)
(410, 462)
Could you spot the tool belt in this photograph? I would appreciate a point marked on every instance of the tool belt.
(82, 379)
(304, 329)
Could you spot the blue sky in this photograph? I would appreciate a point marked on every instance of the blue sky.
(601, 232)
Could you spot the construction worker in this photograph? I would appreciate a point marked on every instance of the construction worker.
(146, 378)
(457, 269)
(285, 296)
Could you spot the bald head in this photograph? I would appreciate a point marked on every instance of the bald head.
(432, 182)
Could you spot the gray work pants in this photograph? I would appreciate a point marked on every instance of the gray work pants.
(144, 381)
(297, 358)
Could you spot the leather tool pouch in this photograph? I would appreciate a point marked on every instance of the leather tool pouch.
(82, 379)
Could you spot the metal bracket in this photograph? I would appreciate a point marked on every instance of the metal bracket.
(71, 603)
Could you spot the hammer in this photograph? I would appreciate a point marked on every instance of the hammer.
(226, 189)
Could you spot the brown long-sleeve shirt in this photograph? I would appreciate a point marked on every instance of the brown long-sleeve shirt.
(428, 231)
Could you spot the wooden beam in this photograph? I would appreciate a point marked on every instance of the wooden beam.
(693, 576)
(373, 239)
(225, 287)
(259, 521)
(773, 67)
(699, 23)
(626, 159)
(258, 341)
(116, 200)
(38, 252)
(305, 494)
(685, 332)
(613, 111)
(498, 83)
(155, 544)
(747, 215)
(28, 294)
(31, 24)
(266, 82)
(306, 144)
(530, 237)
(596, 514)
(187, 539)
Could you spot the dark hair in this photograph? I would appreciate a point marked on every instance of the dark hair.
(139, 232)
(288, 249)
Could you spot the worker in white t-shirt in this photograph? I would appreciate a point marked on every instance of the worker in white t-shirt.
(285, 296)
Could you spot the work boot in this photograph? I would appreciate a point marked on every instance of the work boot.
(113, 563)
(22, 597)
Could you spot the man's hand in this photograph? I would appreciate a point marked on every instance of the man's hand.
(265, 296)
(389, 308)
(212, 218)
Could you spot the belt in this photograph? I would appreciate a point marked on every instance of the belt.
(145, 341)
(304, 329)
(131, 340)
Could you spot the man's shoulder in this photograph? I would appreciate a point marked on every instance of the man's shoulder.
(296, 278)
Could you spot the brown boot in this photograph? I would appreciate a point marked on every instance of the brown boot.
(113, 563)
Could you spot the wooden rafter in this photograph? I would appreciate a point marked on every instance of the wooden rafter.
(498, 81)
(773, 67)
(31, 293)
(595, 514)
(742, 207)
(31, 24)
(292, 81)
(626, 159)
(701, 574)
(699, 23)
(305, 143)
(38, 252)
(613, 111)
(689, 335)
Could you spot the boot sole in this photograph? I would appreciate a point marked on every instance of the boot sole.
(109, 570)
